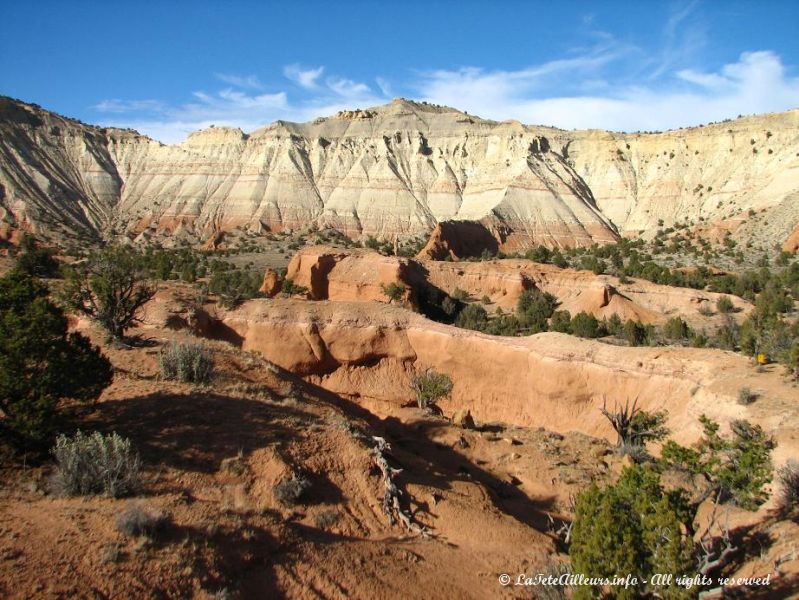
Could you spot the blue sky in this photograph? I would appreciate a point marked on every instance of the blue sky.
(168, 68)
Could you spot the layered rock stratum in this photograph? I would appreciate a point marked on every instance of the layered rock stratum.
(393, 171)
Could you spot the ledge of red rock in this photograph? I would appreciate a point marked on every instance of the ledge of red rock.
(354, 275)
(368, 352)
(360, 275)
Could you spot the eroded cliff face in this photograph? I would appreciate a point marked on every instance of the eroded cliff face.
(369, 352)
(391, 171)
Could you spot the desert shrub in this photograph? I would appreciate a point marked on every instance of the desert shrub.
(429, 387)
(234, 287)
(636, 333)
(631, 527)
(676, 330)
(139, 521)
(788, 476)
(534, 308)
(724, 305)
(292, 289)
(706, 311)
(746, 396)
(109, 288)
(36, 261)
(326, 519)
(460, 295)
(504, 325)
(561, 321)
(186, 362)
(88, 464)
(40, 363)
(586, 325)
(393, 291)
(728, 334)
(614, 325)
(636, 427)
(473, 316)
(736, 467)
(289, 491)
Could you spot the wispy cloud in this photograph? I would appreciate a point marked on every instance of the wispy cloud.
(237, 107)
(756, 83)
(242, 81)
(115, 105)
(604, 83)
(305, 78)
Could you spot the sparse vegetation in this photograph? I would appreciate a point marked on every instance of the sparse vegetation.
(110, 288)
(788, 477)
(430, 387)
(394, 291)
(92, 464)
(136, 520)
(746, 396)
(187, 362)
(289, 491)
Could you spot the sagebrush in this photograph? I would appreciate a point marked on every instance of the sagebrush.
(96, 464)
(186, 362)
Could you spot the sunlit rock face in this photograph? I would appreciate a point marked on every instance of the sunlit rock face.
(392, 171)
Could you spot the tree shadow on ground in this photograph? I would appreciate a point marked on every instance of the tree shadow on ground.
(196, 431)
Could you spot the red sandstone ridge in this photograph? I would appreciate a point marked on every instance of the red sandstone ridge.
(368, 352)
(353, 275)
(359, 275)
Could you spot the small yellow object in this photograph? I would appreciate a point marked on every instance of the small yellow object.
(762, 359)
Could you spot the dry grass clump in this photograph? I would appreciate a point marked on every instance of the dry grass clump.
(186, 362)
(140, 521)
(89, 464)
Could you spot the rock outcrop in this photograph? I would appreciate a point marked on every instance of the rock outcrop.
(369, 352)
(390, 171)
(459, 239)
(362, 276)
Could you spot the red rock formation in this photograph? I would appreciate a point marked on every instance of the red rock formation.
(368, 352)
(271, 285)
(360, 275)
(792, 243)
(459, 239)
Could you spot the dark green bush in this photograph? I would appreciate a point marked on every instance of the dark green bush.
(40, 362)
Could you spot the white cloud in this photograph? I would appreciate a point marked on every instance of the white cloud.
(241, 81)
(385, 86)
(305, 78)
(114, 105)
(756, 83)
(590, 88)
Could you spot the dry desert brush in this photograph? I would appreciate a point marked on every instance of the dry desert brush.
(430, 387)
(95, 464)
(141, 521)
(635, 427)
(186, 362)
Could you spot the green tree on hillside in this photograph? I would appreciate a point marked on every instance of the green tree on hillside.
(40, 362)
(110, 288)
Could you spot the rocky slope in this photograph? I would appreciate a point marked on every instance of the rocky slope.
(392, 171)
